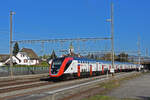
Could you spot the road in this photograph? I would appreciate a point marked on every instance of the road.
(138, 88)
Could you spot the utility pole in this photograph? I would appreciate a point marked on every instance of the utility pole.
(112, 33)
(11, 60)
(146, 52)
(111, 20)
(139, 52)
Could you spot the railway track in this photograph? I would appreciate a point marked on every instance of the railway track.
(22, 77)
(21, 80)
(27, 87)
(12, 83)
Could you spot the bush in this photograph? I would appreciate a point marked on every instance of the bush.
(42, 64)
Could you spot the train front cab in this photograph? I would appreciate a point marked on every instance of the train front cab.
(58, 66)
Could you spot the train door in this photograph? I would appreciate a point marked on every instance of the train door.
(103, 69)
(109, 68)
(78, 70)
(90, 70)
(72, 67)
(97, 68)
(100, 68)
(120, 68)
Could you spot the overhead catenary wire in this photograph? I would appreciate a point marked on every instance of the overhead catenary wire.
(61, 40)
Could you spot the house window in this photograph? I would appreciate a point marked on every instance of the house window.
(22, 55)
(31, 61)
(25, 60)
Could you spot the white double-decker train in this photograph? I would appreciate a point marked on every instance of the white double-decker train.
(68, 67)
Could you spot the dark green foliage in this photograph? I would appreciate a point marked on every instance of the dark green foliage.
(53, 55)
(15, 49)
(108, 57)
(92, 56)
(123, 57)
(42, 64)
(46, 56)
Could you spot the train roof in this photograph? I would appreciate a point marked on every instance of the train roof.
(101, 61)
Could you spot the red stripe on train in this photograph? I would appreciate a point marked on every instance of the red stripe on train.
(61, 70)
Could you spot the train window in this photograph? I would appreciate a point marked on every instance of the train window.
(57, 63)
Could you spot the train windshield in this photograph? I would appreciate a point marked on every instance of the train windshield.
(56, 64)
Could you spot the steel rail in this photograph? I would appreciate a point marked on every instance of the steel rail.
(84, 84)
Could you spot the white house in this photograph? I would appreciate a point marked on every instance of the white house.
(25, 57)
(1, 64)
(3, 58)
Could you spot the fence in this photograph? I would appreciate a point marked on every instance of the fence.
(5, 70)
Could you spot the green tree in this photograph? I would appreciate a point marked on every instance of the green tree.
(53, 55)
(92, 56)
(45, 56)
(108, 57)
(123, 57)
(15, 49)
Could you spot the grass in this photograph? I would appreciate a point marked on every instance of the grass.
(42, 64)
(110, 85)
(101, 97)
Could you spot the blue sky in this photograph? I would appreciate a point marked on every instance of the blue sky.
(46, 19)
